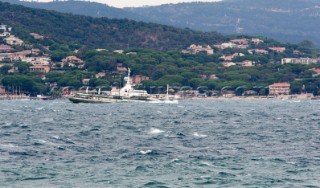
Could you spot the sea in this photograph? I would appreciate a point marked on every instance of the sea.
(196, 143)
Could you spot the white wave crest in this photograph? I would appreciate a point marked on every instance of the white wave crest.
(199, 135)
(155, 131)
(145, 152)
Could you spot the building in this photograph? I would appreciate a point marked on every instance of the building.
(282, 88)
(40, 68)
(5, 48)
(85, 81)
(278, 49)
(37, 60)
(37, 36)
(242, 41)
(228, 64)
(304, 61)
(100, 75)
(230, 57)
(256, 41)
(228, 45)
(317, 72)
(137, 79)
(195, 49)
(258, 51)
(5, 34)
(12, 40)
(3, 28)
(247, 63)
(73, 61)
(118, 51)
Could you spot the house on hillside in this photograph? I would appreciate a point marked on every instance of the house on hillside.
(118, 51)
(5, 48)
(242, 41)
(100, 75)
(73, 61)
(195, 49)
(5, 34)
(278, 49)
(282, 88)
(40, 68)
(256, 41)
(258, 51)
(317, 72)
(12, 40)
(304, 61)
(247, 63)
(37, 60)
(226, 45)
(228, 64)
(230, 57)
(37, 36)
(137, 79)
(85, 81)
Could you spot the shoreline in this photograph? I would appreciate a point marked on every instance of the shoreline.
(279, 97)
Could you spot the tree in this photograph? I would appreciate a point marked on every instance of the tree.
(4, 69)
(23, 67)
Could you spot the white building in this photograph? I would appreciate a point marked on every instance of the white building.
(305, 61)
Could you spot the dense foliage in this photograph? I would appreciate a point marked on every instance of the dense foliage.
(195, 70)
(99, 32)
(286, 20)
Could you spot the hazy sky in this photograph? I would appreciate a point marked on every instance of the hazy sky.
(137, 3)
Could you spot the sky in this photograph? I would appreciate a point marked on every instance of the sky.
(138, 3)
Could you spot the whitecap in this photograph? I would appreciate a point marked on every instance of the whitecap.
(155, 131)
(145, 152)
(175, 160)
(46, 120)
(205, 164)
(199, 135)
(56, 137)
(8, 146)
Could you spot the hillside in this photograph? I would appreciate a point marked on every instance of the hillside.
(286, 20)
(100, 32)
(82, 8)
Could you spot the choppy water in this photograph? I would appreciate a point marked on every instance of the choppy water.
(192, 144)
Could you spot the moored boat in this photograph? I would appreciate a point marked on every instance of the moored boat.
(125, 94)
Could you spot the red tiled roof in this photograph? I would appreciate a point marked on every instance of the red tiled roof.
(281, 84)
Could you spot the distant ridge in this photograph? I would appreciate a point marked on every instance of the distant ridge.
(100, 32)
(285, 20)
(80, 7)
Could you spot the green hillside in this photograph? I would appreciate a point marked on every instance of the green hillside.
(286, 20)
(100, 32)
